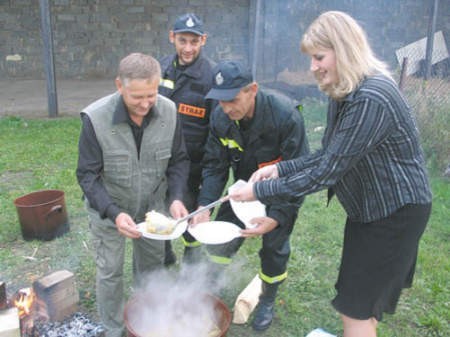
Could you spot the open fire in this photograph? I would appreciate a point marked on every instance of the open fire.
(35, 322)
(27, 310)
(24, 301)
(48, 309)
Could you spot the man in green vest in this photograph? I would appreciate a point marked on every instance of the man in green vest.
(132, 159)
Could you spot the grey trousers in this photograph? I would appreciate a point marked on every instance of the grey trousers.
(109, 249)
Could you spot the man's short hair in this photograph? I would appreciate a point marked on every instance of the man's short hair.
(138, 66)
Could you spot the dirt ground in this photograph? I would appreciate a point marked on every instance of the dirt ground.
(28, 98)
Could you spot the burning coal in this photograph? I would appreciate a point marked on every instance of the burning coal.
(78, 325)
(34, 319)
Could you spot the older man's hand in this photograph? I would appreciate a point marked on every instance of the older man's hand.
(177, 209)
(126, 226)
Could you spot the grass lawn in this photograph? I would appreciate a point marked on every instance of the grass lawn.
(42, 154)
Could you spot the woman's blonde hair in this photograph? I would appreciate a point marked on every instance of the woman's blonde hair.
(354, 58)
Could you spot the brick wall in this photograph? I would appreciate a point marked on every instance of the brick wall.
(91, 36)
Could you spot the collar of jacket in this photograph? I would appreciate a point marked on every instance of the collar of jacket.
(121, 113)
(193, 70)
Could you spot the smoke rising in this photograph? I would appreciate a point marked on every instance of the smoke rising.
(178, 303)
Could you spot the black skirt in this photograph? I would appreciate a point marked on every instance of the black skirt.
(378, 261)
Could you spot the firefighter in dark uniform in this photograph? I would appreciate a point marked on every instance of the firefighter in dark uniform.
(186, 78)
(249, 129)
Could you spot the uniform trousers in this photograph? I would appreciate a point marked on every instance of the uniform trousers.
(274, 253)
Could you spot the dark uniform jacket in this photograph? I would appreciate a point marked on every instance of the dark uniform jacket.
(276, 132)
(187, 87)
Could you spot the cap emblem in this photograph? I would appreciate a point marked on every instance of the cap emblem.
(190, 23)
(219, 78)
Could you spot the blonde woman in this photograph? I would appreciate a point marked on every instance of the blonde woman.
(372, 160)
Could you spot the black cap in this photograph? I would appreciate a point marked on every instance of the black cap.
(188, 23)
(229, 78)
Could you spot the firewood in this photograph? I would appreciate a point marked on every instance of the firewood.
(57, 294)
(9, 323)
(3, 297)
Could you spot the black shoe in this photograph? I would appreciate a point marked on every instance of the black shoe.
(263, 316)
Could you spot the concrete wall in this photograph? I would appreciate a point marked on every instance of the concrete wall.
(91, 36)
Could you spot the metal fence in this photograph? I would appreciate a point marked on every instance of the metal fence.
(429, 98)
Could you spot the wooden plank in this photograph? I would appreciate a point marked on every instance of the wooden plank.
(9, 323)
(54, 297)
(57, 294)
(3, 297)
(55, 279)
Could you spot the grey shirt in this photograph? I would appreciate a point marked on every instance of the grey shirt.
(370, 156)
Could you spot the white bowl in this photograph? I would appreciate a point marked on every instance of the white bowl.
(215, 232)
(246, 210)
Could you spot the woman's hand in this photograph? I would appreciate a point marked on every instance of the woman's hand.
(266, 172)
(244, 193)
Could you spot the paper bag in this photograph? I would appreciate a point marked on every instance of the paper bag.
(246, 301)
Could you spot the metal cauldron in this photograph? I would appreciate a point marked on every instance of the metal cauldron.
(42, 215)
(136, 327)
